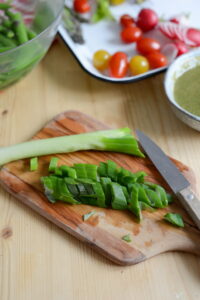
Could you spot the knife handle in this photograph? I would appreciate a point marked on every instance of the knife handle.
(191, 204)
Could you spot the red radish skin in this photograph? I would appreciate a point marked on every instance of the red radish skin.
(147, 19)
(181, 47)
(190, 36)
(175, 20)
(194, 35)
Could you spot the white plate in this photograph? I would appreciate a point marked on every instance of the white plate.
(105, 34)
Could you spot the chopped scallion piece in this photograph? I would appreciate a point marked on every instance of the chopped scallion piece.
(53, 164)
(33, 164)
(127, 238)
(174, 219)
(88, 215)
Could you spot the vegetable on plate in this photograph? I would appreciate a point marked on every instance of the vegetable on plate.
(139, 65)
(118, 65)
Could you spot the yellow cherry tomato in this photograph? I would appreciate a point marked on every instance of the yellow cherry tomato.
(138, 65)
(116, 2)
(101, 59)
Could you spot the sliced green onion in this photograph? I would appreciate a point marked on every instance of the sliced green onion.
(127, 238)
(118, 140)
(174, 219)
(53, 164)
(33, 164)
(88, 215)
(134, 205)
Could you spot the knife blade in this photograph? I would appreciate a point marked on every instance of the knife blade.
(175, 179)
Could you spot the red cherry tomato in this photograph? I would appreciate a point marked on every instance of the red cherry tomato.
(131, 34)
(147, 45)
(181, 47)
(81, 6)
(126, 20)
(118, 65)
(157, 60)
(147, 19)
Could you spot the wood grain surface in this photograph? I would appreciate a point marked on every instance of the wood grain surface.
(40, 261)
(103, 231)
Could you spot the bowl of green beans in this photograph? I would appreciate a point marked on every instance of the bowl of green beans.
(27, 29)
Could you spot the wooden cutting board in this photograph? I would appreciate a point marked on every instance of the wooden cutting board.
(104, 230)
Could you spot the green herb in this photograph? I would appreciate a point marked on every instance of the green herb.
(127, 238)
(88, 215)
(118, 140)
(53, 164)
(174, 219)
(33, 164)
(102, 11)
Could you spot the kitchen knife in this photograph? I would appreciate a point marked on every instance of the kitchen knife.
(177, 182)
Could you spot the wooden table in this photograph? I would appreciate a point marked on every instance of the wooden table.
(40, 261)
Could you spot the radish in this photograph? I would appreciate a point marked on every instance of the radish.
(182, 48)
(194, 35)
(147, 19)
(170, 51)
(180, 19)
(190, 36)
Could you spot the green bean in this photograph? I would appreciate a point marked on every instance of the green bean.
(3, 28)
(7, 23)
(6, 41)
(3, 49)
(31, 34)
(4, 6)
(18, 26)
(10, 34)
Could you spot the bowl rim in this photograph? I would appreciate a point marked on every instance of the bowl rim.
(38, 35)
(177, 63)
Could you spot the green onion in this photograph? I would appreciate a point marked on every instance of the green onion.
(33, 164)
(127, 238)
(118, 140)
(118, 198)
(174, 219)
(117, 188)
(88, 215)
(134, 205)
(53, 164)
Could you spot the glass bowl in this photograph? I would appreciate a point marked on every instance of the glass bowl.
(44, 18)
